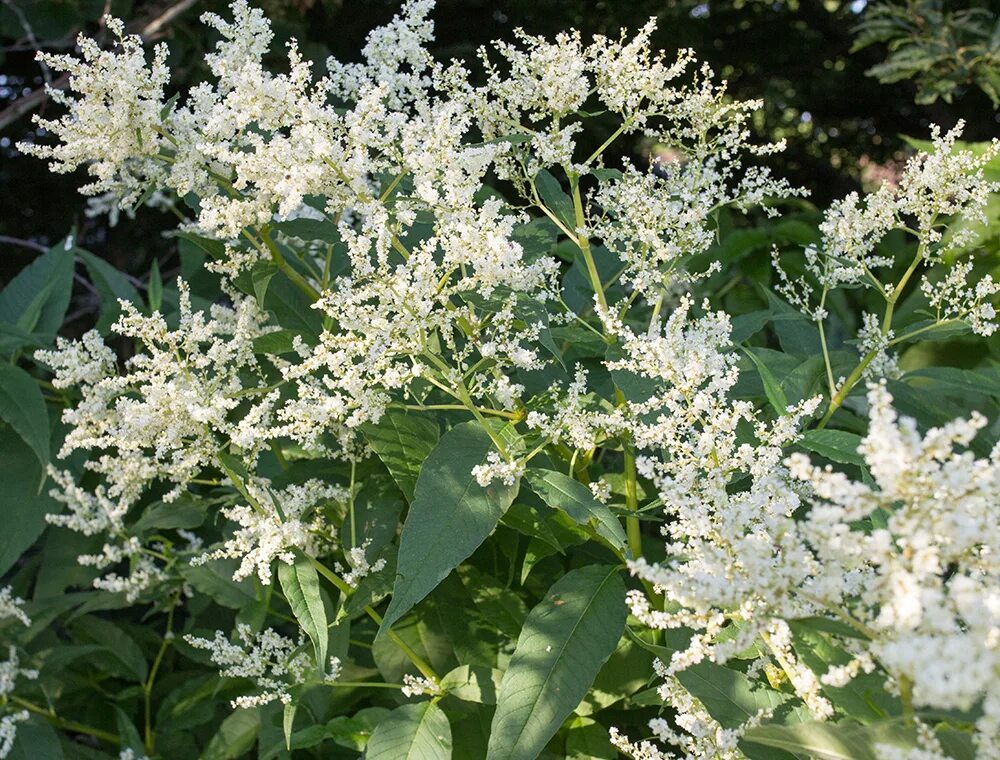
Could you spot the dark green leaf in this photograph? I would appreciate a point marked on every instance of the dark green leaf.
(562, 492)
(565, 641)
(451, 515)
(402, 441)
(412, 732)
(833, 741)
(112, 286)
(235, 736)
(42, 290)
(837, 445)
(22, 506)
(23, 408)
(300, 584)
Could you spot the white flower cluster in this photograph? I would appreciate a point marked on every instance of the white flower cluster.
(274, 525)
(11, 670)
(438, 292)
(272, 661)
(922, 591)
(937, 186)
(115, 127)
(416, 686)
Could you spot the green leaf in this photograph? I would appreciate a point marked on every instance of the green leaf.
(555, 198)
(451, 515)
(261, 276)
(497, 604)
(287, 722)
(354, 732)
(562, 492)
(309, 230)
(728, 695)
(23, 408)
(565, 641)
(112, 285)
(22, 507)
(216, 580)
(42, 289)
(154, 289)
(291, 309)
(772, 388)
(235, 736)
(473, 683)
(587, 740)
(864, 698)
(35, 740)
(186, 512)
(833, 741)
(300, 584)
(402, 441)
(412, 732)
(116, 642)
(837, 445)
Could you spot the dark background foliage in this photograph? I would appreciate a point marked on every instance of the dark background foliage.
(795, 54)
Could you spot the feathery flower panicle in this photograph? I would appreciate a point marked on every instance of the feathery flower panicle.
(273, 662)
(115, 126)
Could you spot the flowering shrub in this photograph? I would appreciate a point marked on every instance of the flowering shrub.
(452, 441)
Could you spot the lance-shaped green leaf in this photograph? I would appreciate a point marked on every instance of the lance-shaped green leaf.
(112, 286)
(565, 641)
(772, 388)
(22, 506)
(23, 408)
(729, 696)
(236, 735)
(832, 741)
(37, 298)
(451, 515)
(571, 496)
(300, 584)
(838, 445)
(412, 732)
(402, 441)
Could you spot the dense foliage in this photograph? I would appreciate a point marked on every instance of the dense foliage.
(458, 435)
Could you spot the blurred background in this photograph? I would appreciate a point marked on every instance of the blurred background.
(841, 81)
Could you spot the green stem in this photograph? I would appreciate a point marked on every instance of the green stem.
(584, 245)
(461, 407)
(300, 282)
(614, 136)
(66, 725)
(147, 688)
(426, 670)
(867, 359)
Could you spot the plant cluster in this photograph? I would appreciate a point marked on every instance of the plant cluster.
(453, 441)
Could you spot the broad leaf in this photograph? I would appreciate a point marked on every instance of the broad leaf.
(235, 736)
(300, 584)
(23, 408)
(417, 731)
(37, 298)
(565, 641)
(112, 286)
(402, 441)
(832, 741)
(837, 445)
(35, 740)
(729, 696)
(562, 492)
(451, 515)
(22, 507)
